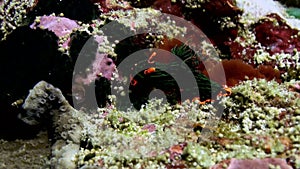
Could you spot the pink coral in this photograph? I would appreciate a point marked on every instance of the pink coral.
(101, 66)
(61, 26)
(150, 127)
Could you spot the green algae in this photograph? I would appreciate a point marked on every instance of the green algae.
(292, 11)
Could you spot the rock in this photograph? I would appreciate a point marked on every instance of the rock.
(45, 105)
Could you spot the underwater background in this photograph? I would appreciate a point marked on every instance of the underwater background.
(150, 84)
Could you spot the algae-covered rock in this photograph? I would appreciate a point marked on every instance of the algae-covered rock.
(45, 105)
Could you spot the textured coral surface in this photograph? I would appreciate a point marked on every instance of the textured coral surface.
(82, 80)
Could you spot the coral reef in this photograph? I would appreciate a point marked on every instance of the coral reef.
(248, 118)
(160, 135)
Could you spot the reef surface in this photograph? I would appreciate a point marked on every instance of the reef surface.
(82, 82)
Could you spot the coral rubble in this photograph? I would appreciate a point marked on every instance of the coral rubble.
(29, 153)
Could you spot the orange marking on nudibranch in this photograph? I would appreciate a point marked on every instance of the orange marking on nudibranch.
(176, 149)
(195, 98)
(206, 101)
(133, 82)
(132, 26)
(151, 57)
(149, 70)
(227, 89)
(232, 6)
(202, 102)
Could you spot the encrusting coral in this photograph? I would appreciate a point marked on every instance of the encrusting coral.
(269, 41)
(61, 26)
(237, 71)
(12, 15)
